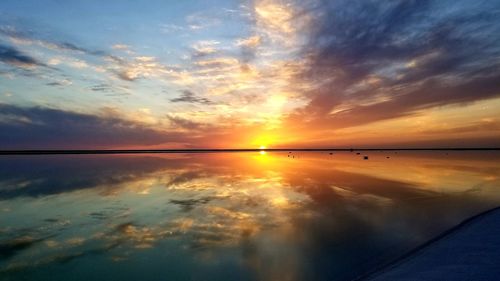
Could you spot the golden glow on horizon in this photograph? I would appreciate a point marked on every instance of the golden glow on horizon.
(263, 141)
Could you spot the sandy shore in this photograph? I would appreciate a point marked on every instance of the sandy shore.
(469, 251)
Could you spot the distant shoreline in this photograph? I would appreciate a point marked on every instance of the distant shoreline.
(215, 150)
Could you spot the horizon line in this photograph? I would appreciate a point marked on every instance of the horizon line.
(214, 150)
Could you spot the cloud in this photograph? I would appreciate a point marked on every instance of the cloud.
(14, 57)
(430, 94)
(128, 75)
(216, 63)
(250, 42)
(121, 47)
(378, 60)
(202, 20)
(103, 87)
(249, 47)
(204, 48)
(184, 123)
(275, 15)
(170, 28)
(60, 83)
(11, 247)
(189, 204)
(190, 97)
(142, 67)
(281, 23)
(30, 38)
(22, 37)
(486, 124)
(43, 128)
(73, 47)
(73, 173)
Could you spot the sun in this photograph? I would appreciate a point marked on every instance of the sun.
(262, 149)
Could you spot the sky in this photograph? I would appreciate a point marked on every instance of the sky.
(245, 74)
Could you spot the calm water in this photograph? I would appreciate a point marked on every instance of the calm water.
(231, 216)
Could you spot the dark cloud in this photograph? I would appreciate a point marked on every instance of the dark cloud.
(110, 90)
(448, 141)
(55, 44)
(429, 94)
(189, 204)
(73, 47)
(484, 125)
(103, 87)
(190, 97)
(39, 127)
(377, 60)
(54, 84)
(196, 54)
(12, 56)
(60, 83)
(55, 175)
(186, 177)
(184, 123)
(127, 76)
(10, 248)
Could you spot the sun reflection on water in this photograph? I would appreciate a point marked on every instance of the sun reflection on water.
(205, 205)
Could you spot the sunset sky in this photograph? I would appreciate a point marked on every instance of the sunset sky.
(245, 74)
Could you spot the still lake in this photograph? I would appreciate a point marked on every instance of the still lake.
(231, 216)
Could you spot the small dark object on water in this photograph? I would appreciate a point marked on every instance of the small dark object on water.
(331, 153)
(365, 157)
(387, 157)
(358, 153)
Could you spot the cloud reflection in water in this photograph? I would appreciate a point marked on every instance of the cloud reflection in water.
(225, 216)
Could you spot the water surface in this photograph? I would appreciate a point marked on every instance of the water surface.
(231, 216)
